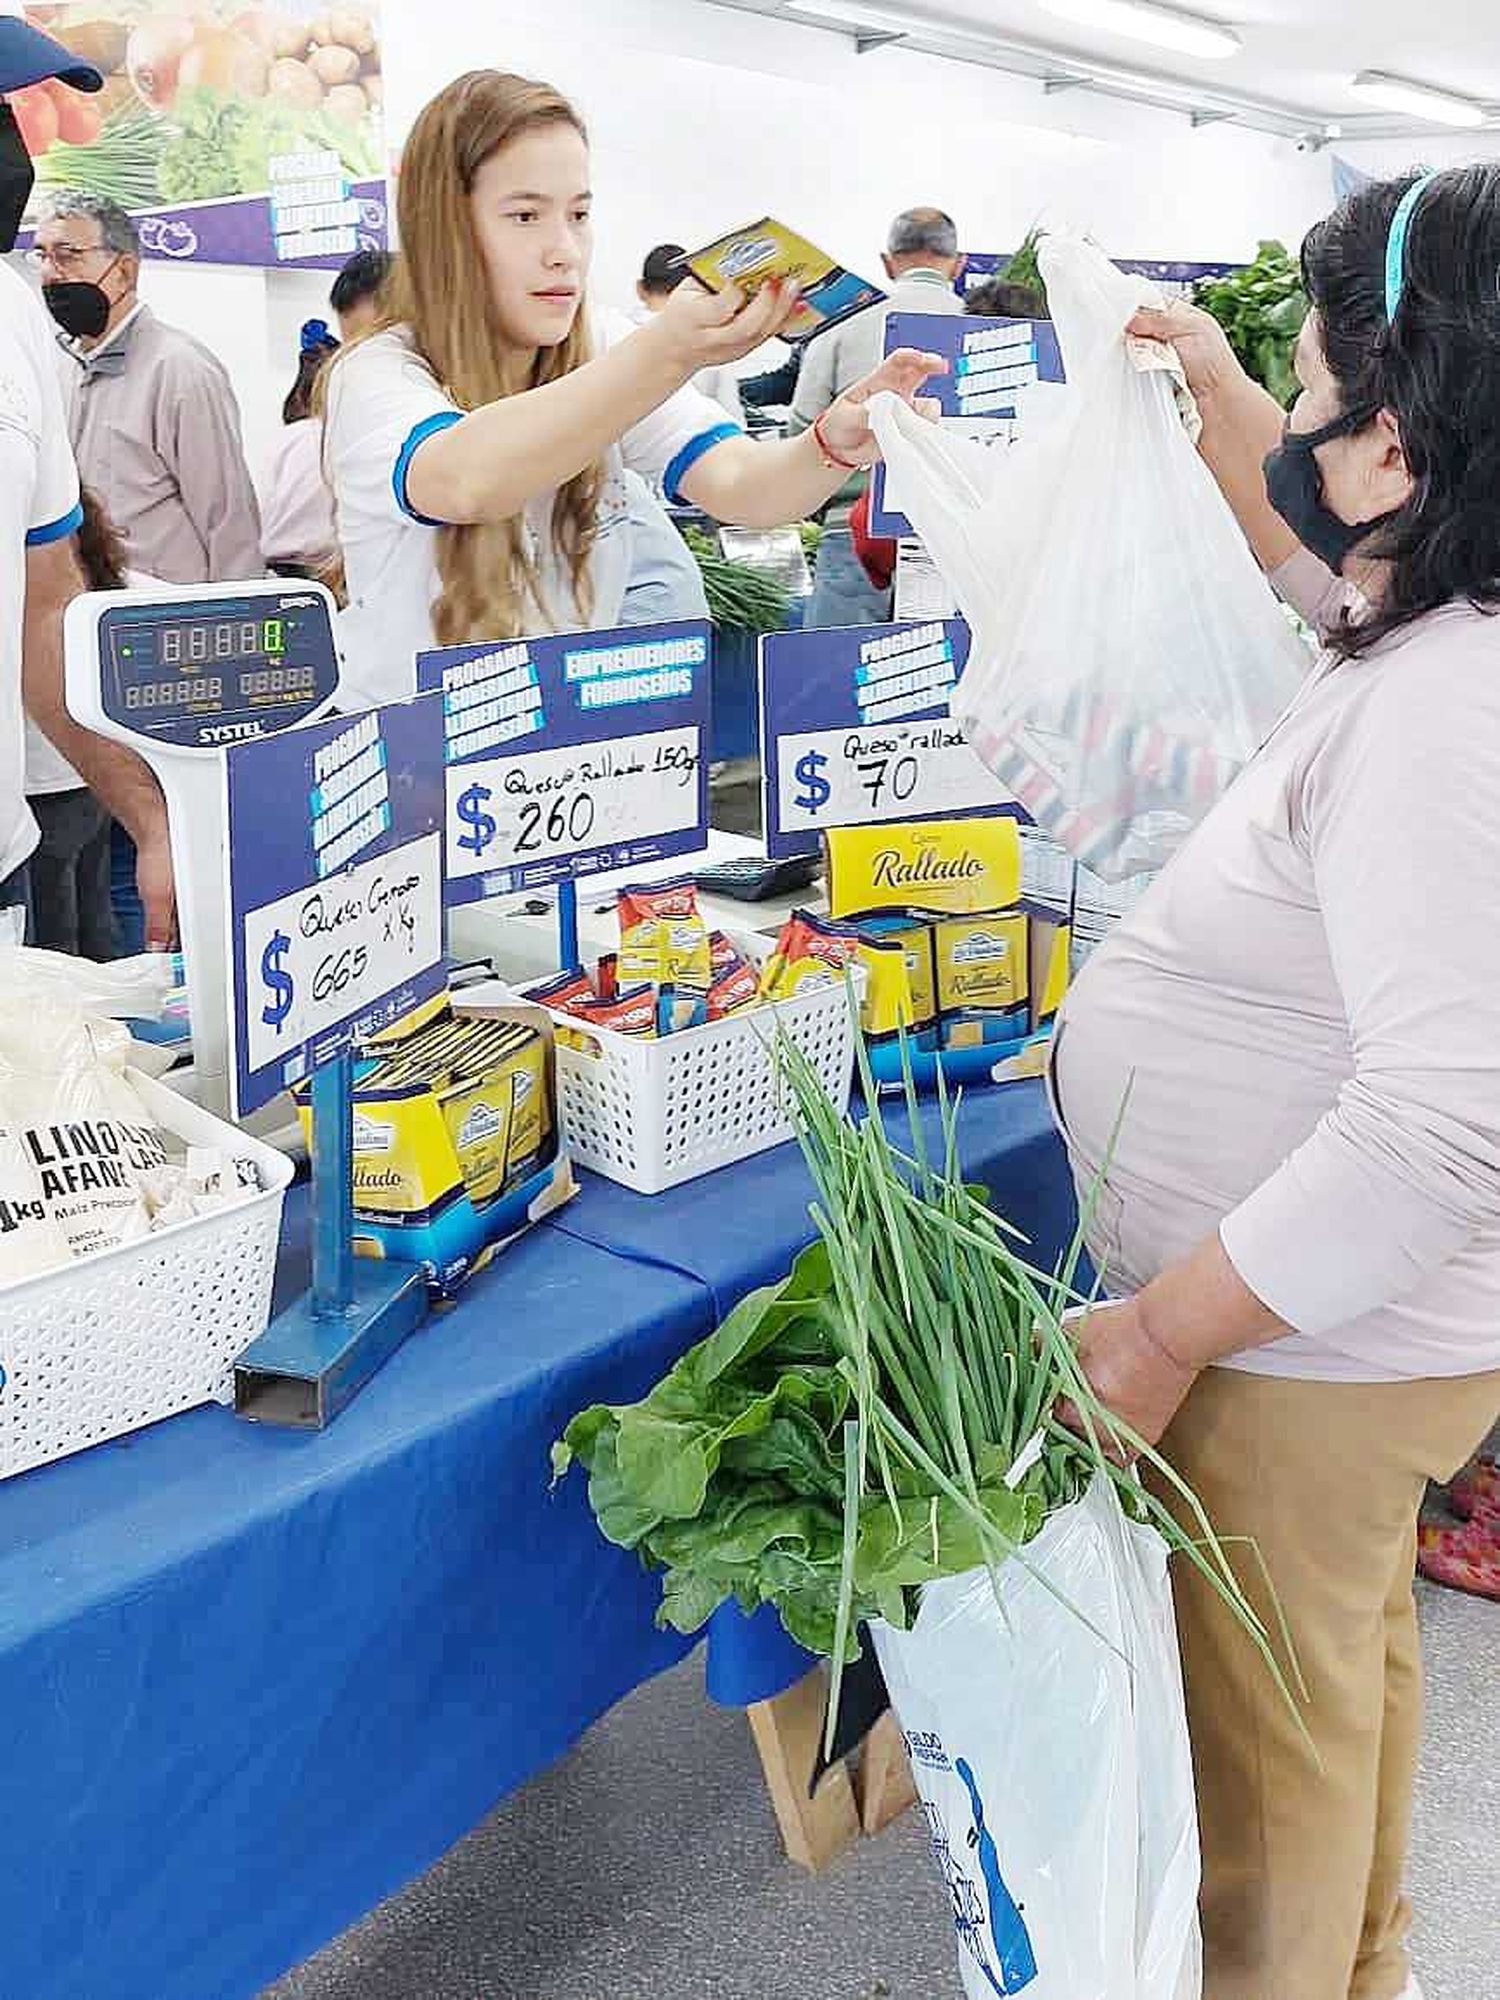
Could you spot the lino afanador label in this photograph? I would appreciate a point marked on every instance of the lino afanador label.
(88, 1174)
(955, 867)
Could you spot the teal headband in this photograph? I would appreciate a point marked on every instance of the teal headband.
(1395, 246)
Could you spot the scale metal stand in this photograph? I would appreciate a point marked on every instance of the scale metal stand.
(179, 675)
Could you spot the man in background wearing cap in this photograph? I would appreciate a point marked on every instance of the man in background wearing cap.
(923, 262)
(39, 515)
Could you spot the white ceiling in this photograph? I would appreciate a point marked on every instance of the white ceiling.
(1295, 68)
(1297, 52)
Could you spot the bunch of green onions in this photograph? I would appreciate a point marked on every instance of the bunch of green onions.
(959, 1358)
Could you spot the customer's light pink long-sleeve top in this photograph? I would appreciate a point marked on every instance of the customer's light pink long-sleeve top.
(1306, 1009)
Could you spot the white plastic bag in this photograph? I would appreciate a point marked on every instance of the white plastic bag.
(124, 989)
(1128, 656)
(1055, 1769)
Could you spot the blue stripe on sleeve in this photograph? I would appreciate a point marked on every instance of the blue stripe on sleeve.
(54, 531)
(440, 420)
(690, 454)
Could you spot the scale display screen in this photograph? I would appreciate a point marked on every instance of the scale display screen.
(217, 670)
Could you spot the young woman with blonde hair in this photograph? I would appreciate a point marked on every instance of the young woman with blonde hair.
(477, 440)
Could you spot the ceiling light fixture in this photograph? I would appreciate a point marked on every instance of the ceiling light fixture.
(1142, 21)
(1418, 100)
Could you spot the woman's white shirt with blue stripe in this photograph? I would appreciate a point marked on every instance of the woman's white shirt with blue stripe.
(383, 401)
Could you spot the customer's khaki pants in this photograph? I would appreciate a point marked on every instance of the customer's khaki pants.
(1302, 1869)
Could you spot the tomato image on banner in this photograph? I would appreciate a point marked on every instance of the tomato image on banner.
(234, 134)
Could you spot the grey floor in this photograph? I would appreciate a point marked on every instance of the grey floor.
(647, 1867)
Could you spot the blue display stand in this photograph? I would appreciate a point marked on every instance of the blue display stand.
(323, 1349)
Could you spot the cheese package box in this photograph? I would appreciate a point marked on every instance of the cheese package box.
(953, 867)
(752, 256)
(903, 1001)
(456, 1145)
(983, 977)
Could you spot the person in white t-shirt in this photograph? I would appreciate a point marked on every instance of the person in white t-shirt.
(39, 514)
(477, 441)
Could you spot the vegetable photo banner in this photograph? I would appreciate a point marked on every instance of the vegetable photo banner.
(233, 134)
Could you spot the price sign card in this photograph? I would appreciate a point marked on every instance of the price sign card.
(572, 755)
(335, 900)
(992, 365)
(856, 729)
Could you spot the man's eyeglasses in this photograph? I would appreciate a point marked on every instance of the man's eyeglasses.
(64, 256)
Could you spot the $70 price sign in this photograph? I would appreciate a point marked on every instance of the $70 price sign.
(856, 777)
(531, 817)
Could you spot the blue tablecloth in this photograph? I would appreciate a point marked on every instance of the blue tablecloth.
(252, 1681)
(738, 1228)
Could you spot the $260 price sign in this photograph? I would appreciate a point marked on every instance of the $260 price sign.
(528, 815)
(571, 754)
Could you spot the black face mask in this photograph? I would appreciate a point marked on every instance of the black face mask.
(80, 309)
(16, 177)
(1294, 486)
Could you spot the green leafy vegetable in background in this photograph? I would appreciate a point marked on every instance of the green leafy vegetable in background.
(122, 163)
(885, 1416)
(225, 146)
(198, 161)
(738, 596)
(1024, 267)
(1262, 308)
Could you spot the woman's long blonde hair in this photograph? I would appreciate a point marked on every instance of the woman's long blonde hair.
(438, 289)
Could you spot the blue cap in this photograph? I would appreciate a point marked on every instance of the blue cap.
(28, 56)
(1395, 246)
(315, 335)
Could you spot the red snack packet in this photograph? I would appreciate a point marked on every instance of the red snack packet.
(564, 991)
(733, 990)
(629, 1013)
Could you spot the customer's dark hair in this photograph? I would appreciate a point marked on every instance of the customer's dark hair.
(1436, 368)
(663, 270)
(1003, 298)
(361, 278)
(101, 552)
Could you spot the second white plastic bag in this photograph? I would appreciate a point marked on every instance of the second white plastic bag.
(1128, 655)
(1054, 1768)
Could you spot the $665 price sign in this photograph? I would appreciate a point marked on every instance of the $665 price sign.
(322, 954)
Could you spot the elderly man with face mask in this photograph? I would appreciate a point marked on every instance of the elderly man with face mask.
(39, 515)
(153, 418)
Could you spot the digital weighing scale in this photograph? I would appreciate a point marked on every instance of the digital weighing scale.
(177, 675)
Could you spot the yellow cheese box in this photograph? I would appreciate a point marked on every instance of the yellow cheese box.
(954, 867)
(456, 1146)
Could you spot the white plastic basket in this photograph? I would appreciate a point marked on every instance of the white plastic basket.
(114, 1342)
(652, 1115)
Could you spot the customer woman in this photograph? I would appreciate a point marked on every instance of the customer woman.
(476, 441)
(296, 513)
(1302, 1213)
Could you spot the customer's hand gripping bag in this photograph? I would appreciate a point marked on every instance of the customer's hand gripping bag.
(1128, 655)
(1053, 1764)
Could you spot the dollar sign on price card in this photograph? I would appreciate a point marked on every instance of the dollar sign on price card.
(278, 981)
(816, 790)
(482, 826)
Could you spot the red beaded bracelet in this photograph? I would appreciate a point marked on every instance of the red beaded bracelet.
(832, 459)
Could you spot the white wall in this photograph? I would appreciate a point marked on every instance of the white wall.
(703, 118)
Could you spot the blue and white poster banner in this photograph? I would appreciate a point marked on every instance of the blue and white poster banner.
(856, 730)
(992, 366)
(572, 755)
(335, 904)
